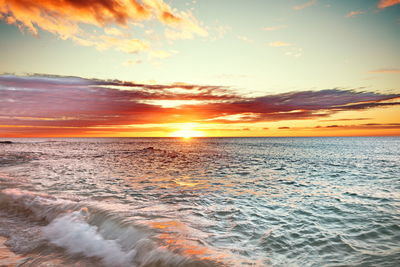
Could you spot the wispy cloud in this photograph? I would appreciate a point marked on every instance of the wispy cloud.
(354, 13)
(65, 18)
(365, 126)
(351, 119)
(56, 103)
(279, 44)
(221, 30)
(295, 52)
(113, 31)
(305, 5)
(387, 3)
(289, 49)
(131, 62)
(388, 70)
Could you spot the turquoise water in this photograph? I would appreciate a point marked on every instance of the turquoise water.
(202, 202)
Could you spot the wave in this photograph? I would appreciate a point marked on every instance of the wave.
(72, 232)
(83, 230)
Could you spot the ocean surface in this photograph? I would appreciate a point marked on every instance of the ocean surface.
(200, 202)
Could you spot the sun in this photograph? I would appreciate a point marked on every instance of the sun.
(187, 131)
(187, 134)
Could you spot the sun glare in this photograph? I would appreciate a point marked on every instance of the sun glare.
(187, 131)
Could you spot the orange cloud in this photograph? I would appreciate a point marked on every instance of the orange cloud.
(387, 3)
(63, 18)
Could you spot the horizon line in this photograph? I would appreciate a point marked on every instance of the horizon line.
(202, 137)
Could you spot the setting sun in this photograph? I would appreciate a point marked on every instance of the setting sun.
(187, 131)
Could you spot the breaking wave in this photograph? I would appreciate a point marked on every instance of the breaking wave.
(84, 231)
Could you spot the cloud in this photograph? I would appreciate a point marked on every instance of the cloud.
(177, 35)
(295, 52)
(63, 105)
(390, 70)
(352, 119)
(64, 18)
(221, 31)
(290, 50)
(387, 3)
(105, 42)
(365, 126)
(131, 62)
(305, 5)
(113, 31)
(354, 13)
(279, 44)
(295, 105)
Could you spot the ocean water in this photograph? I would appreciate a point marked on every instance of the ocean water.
(201, 202)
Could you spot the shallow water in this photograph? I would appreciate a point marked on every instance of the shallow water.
(202, 202)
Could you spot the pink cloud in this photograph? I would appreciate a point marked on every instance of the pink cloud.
(69, 104)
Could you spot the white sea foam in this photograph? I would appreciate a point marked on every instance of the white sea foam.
(72, 232)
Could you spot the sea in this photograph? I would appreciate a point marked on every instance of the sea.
(326, 201)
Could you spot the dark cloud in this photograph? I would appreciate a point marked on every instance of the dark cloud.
(298, 105)
(365, 126)
(59, 102)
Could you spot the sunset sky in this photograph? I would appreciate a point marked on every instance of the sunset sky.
(199, 68)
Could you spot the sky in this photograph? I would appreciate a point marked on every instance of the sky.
(199, 68)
